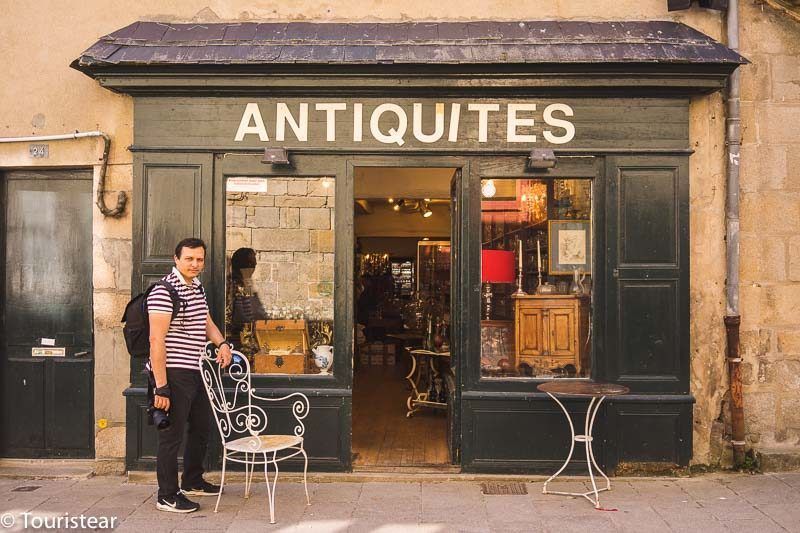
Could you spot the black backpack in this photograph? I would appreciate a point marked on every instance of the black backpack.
(137, 319)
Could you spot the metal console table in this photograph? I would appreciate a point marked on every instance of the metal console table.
(597, 392)
(431, 370)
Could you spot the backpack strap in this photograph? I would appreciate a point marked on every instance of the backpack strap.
(177, 302)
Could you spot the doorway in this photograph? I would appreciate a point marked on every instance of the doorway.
(47, 337)
(403, 375)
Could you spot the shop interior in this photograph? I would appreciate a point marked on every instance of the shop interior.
(402, 378)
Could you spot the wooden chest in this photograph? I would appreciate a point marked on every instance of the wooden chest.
(553, 331)
(283, 347)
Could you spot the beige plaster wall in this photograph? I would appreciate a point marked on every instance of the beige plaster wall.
(40, 94)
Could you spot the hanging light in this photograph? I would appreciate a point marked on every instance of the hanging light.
(397, 205)
(488, 189)
(390, 200)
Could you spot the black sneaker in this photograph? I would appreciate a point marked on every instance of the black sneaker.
(176, 504)
(203, 489)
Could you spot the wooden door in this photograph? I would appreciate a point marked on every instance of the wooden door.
(47, 338)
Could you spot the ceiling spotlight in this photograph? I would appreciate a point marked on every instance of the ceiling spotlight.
(542, 158)
(426, 238)
(488, 190)
(396, 207)
(275, 156)
(390, 200)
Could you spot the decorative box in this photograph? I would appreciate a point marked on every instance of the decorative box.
(284, 347)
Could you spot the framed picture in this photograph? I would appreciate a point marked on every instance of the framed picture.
(570, 246)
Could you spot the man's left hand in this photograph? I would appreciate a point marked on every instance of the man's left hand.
(224, 355)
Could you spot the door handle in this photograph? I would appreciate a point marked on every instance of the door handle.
(81, 354)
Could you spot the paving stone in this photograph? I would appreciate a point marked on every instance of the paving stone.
(511, 509)
(704, 489)
(748, 526)
(595, 524)
(785, 514)
(149, 526)
(326, 511)
(637, 519)
(734, 508)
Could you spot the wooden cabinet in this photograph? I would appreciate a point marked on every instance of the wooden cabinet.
(552, 331)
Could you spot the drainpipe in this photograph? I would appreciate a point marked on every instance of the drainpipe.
(122, 198)
(733, 318)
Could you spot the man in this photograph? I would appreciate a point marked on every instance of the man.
(175, 348)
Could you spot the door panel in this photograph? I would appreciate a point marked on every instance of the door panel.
(47, 302)
(562, 332)
(531, 335)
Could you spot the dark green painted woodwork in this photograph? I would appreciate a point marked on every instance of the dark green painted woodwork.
(647, 307)
(47, 405)
(607, 123)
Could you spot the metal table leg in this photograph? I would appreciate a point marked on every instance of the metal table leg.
(586, 439)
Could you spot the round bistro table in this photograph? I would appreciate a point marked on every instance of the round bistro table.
(582, 389)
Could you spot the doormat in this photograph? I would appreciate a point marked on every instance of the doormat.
(26, 488)
(495, 488)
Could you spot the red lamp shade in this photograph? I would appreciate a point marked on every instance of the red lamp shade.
(497, 266)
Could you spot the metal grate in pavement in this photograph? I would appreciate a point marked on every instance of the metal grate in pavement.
(497, 488)
(26, 488)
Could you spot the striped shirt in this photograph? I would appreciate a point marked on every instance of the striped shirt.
(186, 338)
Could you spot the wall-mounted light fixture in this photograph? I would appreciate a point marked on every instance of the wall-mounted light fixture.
(424, 209)
(276, 156)
(542, 158)
(488, 189)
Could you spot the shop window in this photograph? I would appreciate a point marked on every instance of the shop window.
(280, 273)
(536, 274)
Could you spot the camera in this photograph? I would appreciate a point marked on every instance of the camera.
(159, 416)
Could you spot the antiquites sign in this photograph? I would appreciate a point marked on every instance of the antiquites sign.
(399, 124)
(393, 124)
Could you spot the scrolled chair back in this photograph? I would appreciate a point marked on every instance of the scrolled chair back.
(234, 412)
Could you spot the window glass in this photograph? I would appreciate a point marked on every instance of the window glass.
(280, 273)
(536, 275)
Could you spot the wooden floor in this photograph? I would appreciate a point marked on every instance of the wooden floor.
(382, 435)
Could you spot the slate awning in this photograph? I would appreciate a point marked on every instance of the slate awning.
(149, 44)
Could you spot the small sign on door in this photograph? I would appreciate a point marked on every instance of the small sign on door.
(247, 185)
(48, 352)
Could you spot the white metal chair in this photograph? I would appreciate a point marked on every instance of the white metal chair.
(243, 425)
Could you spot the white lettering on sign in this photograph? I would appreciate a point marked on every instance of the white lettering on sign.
(388, 122)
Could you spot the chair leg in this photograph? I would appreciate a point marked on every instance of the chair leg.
(305, 474)
(271, 488)
(248, 475)
(222, 480)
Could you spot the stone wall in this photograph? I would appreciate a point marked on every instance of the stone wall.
(770, 224)
(291, 229)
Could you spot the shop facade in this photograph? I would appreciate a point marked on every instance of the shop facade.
(615, 113)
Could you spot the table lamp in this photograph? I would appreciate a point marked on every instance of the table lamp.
(497, 266)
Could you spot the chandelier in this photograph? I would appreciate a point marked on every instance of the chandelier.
(533, 201)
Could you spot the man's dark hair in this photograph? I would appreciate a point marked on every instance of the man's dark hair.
(191, 242)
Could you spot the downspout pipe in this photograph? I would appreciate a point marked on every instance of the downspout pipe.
(733, 134)
(122, 198)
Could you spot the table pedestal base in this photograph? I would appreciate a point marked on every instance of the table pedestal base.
(594, 494)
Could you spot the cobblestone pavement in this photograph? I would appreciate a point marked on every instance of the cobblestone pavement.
(710, 503)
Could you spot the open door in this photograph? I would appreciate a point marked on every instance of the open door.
(453, 411)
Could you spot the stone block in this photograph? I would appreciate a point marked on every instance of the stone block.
(277, 187)
(286, 272)
(291, 293)
(322, 241)
(236, 238)
(315, 218)
(298, 187)
(290, 217)
(749, 123)
(320, 290)
(103, 351)
(299, 201)
(789, 416)
(778, 123)
(108, 400)
(755, 78)
(285, 240)
(792, 181)
(793, 267)
(264, 217)
(322, 187)
(331, 202)
(237, 215)
(760, 412)
(108, 308)
(767, 31)
(771, 212)
(260, 199)
(763, 167)
(755, 343)
(787, 373)
(750, 296)
(103, 275)
(249, 210)
(326, 272)
(772, 259)
(275, 257)
(789, 342)
(785, 77)
(112, 228)
(263, 272)
(779, 305)
(110, 442)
